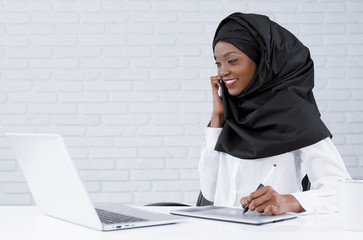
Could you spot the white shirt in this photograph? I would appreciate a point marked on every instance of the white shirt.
(226, 179)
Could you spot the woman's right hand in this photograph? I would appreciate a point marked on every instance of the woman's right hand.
(217, 119)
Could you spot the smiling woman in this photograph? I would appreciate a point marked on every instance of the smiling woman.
(266, 116)
(235, 68)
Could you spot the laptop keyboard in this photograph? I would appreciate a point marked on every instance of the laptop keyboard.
(111, 217)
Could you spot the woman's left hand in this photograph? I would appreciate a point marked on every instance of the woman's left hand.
(267, 200)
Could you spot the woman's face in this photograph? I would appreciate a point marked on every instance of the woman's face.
(234, 67)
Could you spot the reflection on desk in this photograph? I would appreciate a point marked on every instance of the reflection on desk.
(26, 222)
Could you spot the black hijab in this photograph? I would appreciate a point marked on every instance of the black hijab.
(277, 112)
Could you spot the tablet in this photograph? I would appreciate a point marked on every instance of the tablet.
(232, 215)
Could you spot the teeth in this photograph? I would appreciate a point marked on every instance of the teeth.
(231, 81)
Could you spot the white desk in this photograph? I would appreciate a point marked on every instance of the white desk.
(25, 222)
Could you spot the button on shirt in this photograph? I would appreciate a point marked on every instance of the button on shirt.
(226, 179)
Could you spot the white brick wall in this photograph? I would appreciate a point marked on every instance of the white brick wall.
(127, 84)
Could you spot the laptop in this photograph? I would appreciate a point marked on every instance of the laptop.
(232, 215)
(58, 190)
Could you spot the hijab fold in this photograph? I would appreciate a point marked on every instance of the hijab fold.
(277, 112)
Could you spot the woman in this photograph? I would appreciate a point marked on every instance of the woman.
(267, 115)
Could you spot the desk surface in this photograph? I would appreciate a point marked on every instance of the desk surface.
(26, 222)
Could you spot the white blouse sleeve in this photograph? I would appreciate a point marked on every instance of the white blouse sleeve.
(324, 167)
(209, 163)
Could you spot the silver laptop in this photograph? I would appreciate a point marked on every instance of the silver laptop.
(232, 215)
(58, 191)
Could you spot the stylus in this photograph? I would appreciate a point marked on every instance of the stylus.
(262, 184)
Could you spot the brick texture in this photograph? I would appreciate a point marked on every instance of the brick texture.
(127, 85)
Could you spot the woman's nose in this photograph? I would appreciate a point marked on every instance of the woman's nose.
(223, 71)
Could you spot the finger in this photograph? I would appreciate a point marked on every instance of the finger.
(243, 200)
(268, 209)
(215, 77)
(273, 209)
(258, 193)
(215, 80)
(259, 204)
(244, 204)
(262, 207)
(216, 85)
(261, 197)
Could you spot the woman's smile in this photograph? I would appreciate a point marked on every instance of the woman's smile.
(230, 82)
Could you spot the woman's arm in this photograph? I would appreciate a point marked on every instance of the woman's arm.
(267, 200)
(209, 163)
(217, 118)
(209, 159)
(324, 167)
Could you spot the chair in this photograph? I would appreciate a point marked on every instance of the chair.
(201, 201)
(167, 204)
(305, 182)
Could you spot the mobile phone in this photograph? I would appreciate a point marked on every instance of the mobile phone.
(220, 89)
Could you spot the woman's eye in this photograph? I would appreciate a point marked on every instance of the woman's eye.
(233, 61)
(218, 64)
